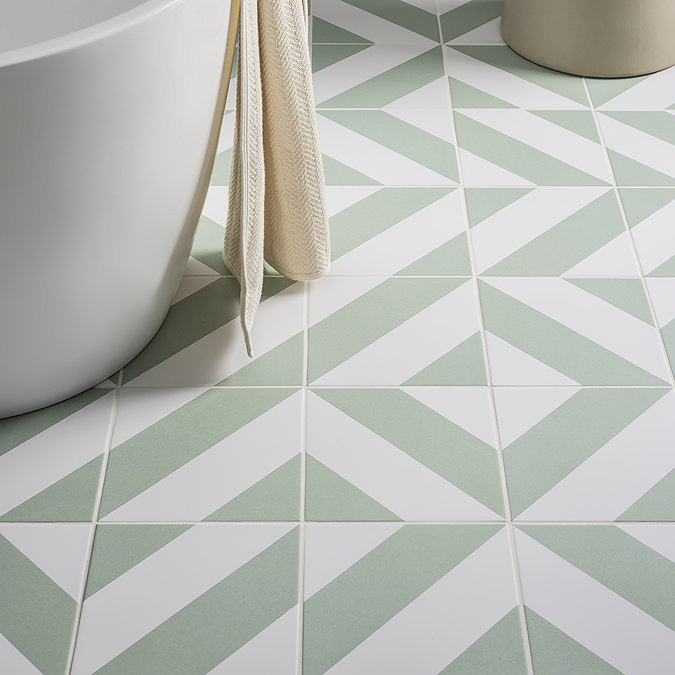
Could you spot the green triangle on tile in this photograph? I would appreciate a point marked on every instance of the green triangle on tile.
(603, 90)
(18, 429)
(481, 203)
(221, 168)
(630, 172)
(338, 173)
(329, 497)
(640, 203)
(325, 32)
(626, 294)
(576, 121)
(556, 653)
(326, 55)
(274, 498)
(450, 259)
(71, 499)
(667, 269)
(499, 651)
(468, 16)
(118, 548)
(208, 245)
(403, 14)
(465, 96)
(282, 365)
(655, 505)
(463, 365)
(655, 123)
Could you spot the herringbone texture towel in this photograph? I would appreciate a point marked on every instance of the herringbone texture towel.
(277, 210)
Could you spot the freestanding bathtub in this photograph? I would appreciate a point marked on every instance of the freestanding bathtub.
(109, 117)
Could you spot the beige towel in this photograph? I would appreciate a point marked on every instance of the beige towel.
(277, 205)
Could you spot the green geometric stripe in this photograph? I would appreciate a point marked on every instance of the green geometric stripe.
(406, 139)
(534, 165)
(37, 615)
(628, 171)
(325, 32)
(556, 653)
(18, 429)
(545, 454)
(656, 504)
(576, 121)
(640, 203)
(434, 441)
(603, 90)
(382, 89)
(326, 55)
(208, 245)
(118, 548)
(215, 625)
(334, 339)
(364, 597)
(402, 14)
(481, 202)
(469, 16)
(180, 437)
(220, 175)
(556, 345)
(626, 294)
(618, 561)
(449, 259)
(337, 173)
(657, 124)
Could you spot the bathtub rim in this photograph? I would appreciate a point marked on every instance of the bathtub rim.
(85, 36)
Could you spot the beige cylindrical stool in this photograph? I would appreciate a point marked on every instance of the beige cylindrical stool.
(596, 38)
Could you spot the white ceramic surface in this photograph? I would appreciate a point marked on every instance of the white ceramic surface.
(109, 116)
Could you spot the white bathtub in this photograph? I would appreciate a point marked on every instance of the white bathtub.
(109, 117)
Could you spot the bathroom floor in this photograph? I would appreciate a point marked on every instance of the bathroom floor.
(454, 454)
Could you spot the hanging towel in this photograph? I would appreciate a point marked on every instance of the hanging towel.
(277, 205)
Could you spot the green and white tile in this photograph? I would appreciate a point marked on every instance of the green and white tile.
(549, 231)
(590, 605)
(200, 342)
(641, 146)
(662, 293)
(525, 148)
(494, 76)
(471, 22)
(649, 92)
(553, 331)
(413, 454)
(379, 76)
(404, 231)
(51, 459)
(221, 168)
(650, 214)
(43, 568)
(215, 454)
(365, 331)
(588, 454)
(191, 599)
(393, 147)
(391, 21)
(410, 599)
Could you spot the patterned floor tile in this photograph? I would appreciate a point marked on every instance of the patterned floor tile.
(588, 454)
(217, 454)
(590, 606)
(549, 232)
(202, 598)
(417, 454)
(552, 331)
(650, 214)
(394, 332)
(402, 231)
(51, 459)
(662, 293)
(392, 21)
(641, 146)
(396, 147)
(494, 76)
(221, 168)
(200, 342)
(649, 92)
(519, 148)
(410, 599)
(379, 76)
(474, 22)
(42, 578)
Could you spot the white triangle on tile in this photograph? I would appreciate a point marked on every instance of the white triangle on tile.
(216, 203)
(189, 285)
(510, 365)
(13, 661)
(660, 538)
(468, 408)
(614, 259)
(487, 34)
(478, 171)
(662, 292)
(60, 551)
(520, 408)
(431, 95)
(194, 267)
(435, 122)
(339, 198)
